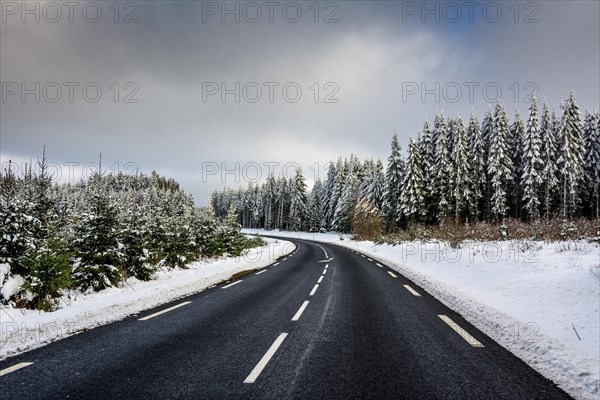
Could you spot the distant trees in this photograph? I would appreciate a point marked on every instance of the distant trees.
(92, 234)
(544, 168)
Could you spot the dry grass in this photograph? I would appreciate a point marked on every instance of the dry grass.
(454, 233)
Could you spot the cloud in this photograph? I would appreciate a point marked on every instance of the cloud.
(364, 61)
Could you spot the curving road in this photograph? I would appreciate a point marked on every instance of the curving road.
(364, 332)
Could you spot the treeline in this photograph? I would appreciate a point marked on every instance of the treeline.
(546, 167)
(95, 233)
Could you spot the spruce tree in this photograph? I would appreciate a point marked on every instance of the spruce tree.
(338, 188)
(394, 177)
(531, 179)
(571, 158)
(549, 155)
(592, 163)
(443, 170)
(314, 218)
(515, 148)
(477, 166)
(487, 132)
(298, 198)
(413, 193)
(97, 246)
(427, 149)
(500, 165)
(461, 188)
(347, 202)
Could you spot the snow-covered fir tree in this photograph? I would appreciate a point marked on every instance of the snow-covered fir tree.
(477, 165)
(515, 148)
(462, 195)
(531, 178)
(487, 128)
(571, 158)
(347, 201)
(315, 218)
(500, 166)
(298, 198)
(394, 176)
(327, 193)
(443, 170)
(592, 162)
(336, 194)
(549, 156)
(97, 249)
(427, 150)
(413, 192)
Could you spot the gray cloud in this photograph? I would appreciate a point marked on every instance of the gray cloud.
(369, 54)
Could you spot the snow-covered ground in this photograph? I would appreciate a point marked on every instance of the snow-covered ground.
(22, 330)
(539, 300)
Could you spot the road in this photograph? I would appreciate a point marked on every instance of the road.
(365, 332)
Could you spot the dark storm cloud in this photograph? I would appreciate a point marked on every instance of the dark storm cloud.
(368, 57)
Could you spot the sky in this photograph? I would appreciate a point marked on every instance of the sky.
(220, 94)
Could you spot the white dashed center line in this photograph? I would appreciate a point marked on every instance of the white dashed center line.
(276, 264)
(464, 334)
(232, 283)
(314, 289)
(320, 279)
(15, 367)
(260, 272)
(392, 274)
(265, 359)
(166, 310)
(324, 271)
(413, 291)
(300, 311)
(379, 265)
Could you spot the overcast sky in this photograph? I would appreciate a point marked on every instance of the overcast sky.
(361, 69)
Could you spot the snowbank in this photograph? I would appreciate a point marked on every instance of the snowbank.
(22, 330)
(539, 300)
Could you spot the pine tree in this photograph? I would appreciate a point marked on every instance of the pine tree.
(336, 194)
(592, 162)
(205, 230)
(500, 166)
(314, 217)
(477, 166)
(378, 188)
(134, 237)
(413, 193)
(571, 158)
(549, 150)
(515, 148)
(298, 200)
(97, 247)
(427, 150)
(18, 227)
(347, 202)
(487, 132)
(394, 177)
(49, 270)
(531, 179)
(443, 171)
(269, 202)
(460, 180)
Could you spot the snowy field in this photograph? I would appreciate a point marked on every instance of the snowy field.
(539, 300)
(22, 330)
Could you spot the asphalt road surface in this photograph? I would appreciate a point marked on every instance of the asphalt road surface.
(302, 328)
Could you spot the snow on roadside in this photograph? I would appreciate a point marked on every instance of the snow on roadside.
(539, 300)
(23, 330)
